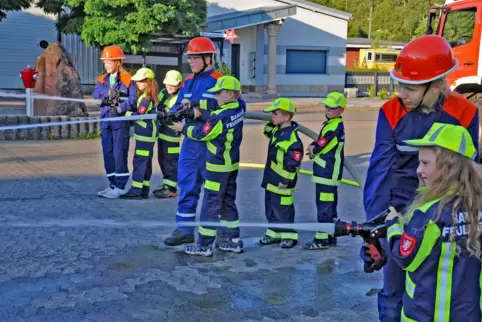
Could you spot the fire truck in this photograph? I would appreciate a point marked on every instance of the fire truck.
(459, 21)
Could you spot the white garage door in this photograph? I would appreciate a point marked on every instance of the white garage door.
(20, 36)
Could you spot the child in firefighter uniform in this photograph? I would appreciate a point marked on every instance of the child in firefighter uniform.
(438, 243)
(327, 154)
(115, 135)
(223, 133)
(168, 144)
(145, 134)
(285, 153)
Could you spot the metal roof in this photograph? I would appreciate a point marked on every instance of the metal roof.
(319, 8)
(251, 17)
(366, 43)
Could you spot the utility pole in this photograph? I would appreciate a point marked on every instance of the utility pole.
(370, 23)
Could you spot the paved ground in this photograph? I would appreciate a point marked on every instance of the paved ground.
(127, 274)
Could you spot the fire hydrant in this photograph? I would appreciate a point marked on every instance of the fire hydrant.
(29, 77)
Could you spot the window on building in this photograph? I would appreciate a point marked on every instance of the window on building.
(386, 58)
(306, 61)
(369, 56)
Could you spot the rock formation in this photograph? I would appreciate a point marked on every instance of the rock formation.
(57, 76)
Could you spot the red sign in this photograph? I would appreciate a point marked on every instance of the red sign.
(230, 35)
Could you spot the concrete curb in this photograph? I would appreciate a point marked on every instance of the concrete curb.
(71, 131)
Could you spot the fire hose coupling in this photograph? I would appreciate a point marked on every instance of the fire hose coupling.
(184, 112)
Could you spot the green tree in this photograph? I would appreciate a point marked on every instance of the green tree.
(131, 23)
(12, 5)
(126, 23)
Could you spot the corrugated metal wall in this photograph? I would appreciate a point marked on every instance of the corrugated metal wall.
(86, 60)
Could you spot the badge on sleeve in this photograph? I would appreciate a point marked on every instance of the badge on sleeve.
(207, 128)
(407, 244)
(322, 142)
(142, 109)
(297, 155)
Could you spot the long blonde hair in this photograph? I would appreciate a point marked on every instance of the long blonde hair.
(458, 180)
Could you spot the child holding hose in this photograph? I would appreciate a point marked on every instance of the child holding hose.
(437, 242)
(145, 134)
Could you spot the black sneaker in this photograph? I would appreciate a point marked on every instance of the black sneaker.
(288, 243)
(198, 250)
(266, 240)
(178, 238)
(317, 244)
(230, 246)
(130, 195)
(332, 241)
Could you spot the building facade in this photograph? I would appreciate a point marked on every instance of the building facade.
(284, 47)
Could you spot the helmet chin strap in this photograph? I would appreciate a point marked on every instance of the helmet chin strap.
(205, 65)
(420, 103)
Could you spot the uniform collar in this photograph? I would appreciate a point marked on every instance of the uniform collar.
(230, 105)
(205, 72)
(285, 133)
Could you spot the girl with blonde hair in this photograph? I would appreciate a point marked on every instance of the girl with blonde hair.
(437, 243)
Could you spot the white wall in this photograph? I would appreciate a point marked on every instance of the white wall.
(20, 35)
(310, 29)
(247, 43)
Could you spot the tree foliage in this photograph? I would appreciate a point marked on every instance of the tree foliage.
(130, 23)
(400, 20)
(127, 23)
(13, 5)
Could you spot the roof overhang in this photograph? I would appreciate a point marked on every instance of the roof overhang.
(252, 17)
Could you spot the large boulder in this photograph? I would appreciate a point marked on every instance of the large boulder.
(57, 76)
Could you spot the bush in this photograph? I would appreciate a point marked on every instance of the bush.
(383, 94)
(371, 91)
(394, 94)
(223, 68)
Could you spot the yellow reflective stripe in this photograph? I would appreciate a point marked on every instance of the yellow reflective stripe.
(145, 138)
(141, 123)
(173, 150)
(338, 159)
(320, 235)
(168, 138)
(203, 104)
(430, 238)
(272, 234)
(405, 319)
(280, 191)
(221, 167)
(212, 185)
(286, 201)
(443, 291)
(230, 224)
(211, 147)
(144, 153)
(282, 172)
(227, 147)
(327, 196)
(395, 230)
(207, 232)
(325, 181)
(409, 286)
(129, 113)
(169, 183)
(146, 183)
(319, 161)
(137, 184)
(285, 235)
(189, 131)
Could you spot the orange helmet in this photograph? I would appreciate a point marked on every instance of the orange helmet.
(112, 53)
(200, 45)
(423, 60)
